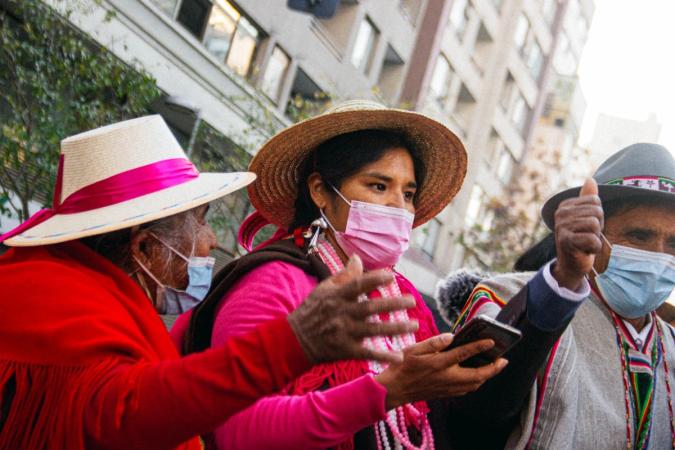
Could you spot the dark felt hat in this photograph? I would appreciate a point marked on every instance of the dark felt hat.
(638, 171)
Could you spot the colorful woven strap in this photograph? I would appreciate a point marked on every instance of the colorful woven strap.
(641, 376)
(479, 298)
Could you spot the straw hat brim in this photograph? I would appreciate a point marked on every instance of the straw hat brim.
(607, 193)
(167, 202)
(279, 161)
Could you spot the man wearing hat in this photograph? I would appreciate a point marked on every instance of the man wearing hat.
(607, 382)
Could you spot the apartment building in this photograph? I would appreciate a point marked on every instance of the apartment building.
(256, 51)
(555, 147)
(480, 66)
(554, 159)
(488, 76)
(555, 141)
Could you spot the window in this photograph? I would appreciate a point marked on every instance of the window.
(243, 48)
(439, 87)
(232, 38)
(565, 61)
(580, 26)
(508, 91)
(193, 15)
(168, 6)
(528, 47)
(549, 9)
(522, 30)
(306, 98)
(464, 107)
(513, 104)
(228, 35)
(364, 45)
(275, 73)
(475, 206)
(221, 29)
(459, 16)
(391, 74)
(481, 55)
(519, 113)
(535, 60)
(505, 165)
(495, 146)
(427, 237)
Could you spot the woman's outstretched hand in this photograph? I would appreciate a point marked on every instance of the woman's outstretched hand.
(427, 372)
(331, 323)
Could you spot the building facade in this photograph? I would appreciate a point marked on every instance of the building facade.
(488, 77)
(483, 67)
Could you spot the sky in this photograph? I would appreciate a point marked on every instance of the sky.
(627, 68)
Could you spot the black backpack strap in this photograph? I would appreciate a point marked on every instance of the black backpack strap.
(198, 335)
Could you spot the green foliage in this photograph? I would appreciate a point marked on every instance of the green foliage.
(300, 108)
(56, 82)
(4, 200)
(510, 233)
(214, 152)
(509, 225)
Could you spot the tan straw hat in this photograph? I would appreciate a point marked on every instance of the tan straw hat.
(119, 176)
(279, 161)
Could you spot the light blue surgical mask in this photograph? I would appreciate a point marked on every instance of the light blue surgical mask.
(170, 300)
(636, 282)
(174, 301)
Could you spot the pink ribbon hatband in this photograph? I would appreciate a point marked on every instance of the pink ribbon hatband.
(118, 188)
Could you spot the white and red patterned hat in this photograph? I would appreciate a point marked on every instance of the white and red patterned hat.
(118, 176)
(638, 171)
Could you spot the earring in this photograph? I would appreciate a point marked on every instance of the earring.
(318, 225)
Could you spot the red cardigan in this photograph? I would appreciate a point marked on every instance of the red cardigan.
(85, 361)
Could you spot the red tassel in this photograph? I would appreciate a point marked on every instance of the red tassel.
(298, 237)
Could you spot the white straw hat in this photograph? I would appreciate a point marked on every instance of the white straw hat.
(118, 176)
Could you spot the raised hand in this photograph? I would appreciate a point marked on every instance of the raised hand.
(427, 372)
(578, 224)
(331, 324)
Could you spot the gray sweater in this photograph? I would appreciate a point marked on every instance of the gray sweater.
(583, 406)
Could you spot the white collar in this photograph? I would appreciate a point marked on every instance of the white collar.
(640, 337)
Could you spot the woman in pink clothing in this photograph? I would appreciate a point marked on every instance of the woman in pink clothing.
(353, 181)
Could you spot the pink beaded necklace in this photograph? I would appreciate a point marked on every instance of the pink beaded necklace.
(395, 421)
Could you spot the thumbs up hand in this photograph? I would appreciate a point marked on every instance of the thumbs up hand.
(578, 224)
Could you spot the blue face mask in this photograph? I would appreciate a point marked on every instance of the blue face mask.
(170, 300)
(636, 282)
(174, 301)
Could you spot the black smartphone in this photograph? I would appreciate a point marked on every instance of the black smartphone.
(484, 327)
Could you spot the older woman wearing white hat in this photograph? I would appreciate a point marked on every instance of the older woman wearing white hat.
(85, 361)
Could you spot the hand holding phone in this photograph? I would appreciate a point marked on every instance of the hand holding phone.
(427, 372)
(484, 327)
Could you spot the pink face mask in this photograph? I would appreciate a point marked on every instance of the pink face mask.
(378, 234)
